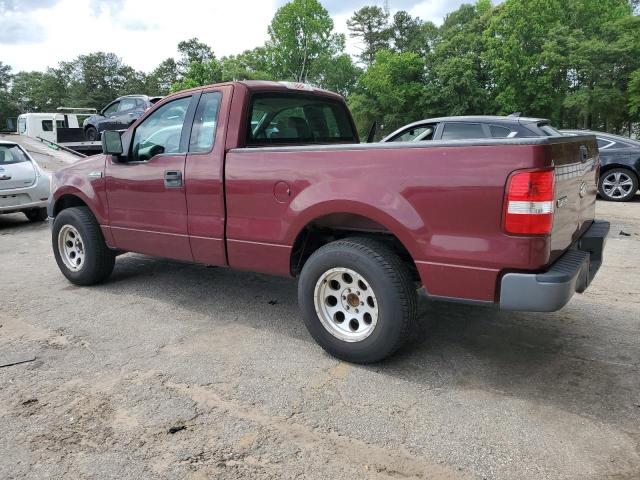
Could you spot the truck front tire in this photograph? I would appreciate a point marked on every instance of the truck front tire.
(358, 299)
(79, 247)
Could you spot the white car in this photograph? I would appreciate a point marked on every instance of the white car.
(24, 187)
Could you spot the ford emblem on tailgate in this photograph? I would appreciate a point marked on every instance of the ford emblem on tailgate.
(583, 190)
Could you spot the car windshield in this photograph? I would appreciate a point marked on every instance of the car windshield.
(10, 154)
(298, 119)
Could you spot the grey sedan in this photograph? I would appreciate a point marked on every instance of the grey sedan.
(24, 187)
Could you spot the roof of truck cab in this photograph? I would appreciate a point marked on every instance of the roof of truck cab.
(270, 86)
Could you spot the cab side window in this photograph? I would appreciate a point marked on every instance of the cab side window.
(161, 131)
(203, 132)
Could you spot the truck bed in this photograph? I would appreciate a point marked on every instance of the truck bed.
(443, 200)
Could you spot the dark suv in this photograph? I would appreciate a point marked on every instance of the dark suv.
(466, 128)
(619, 165)
(118, 115)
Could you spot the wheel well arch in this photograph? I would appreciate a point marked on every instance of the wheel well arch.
(335, 226)
(68, 200)
(611, 166)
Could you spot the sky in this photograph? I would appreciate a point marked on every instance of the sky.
(36, 34)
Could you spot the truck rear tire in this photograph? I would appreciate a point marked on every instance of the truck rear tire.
(358, 299)
(79, 247)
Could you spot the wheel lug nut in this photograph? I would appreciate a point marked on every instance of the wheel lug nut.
(344, 297)
(357, 293)
(362, 304)
(348, 307)
(357, 311)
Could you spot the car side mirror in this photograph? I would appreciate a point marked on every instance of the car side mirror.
(112, 143)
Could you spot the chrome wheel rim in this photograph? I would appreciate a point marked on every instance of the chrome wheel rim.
(346, 304)
(617, 185)
(71, 248)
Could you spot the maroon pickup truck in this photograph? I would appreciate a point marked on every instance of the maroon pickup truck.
(271, 177)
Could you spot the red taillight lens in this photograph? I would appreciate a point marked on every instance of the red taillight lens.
(529, 204)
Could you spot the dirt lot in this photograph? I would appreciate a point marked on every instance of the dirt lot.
(222, 360)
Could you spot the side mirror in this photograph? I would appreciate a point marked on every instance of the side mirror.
(112, 142)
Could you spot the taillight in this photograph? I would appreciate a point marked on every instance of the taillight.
(529, 203)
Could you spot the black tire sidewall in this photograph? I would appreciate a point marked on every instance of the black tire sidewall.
(90, 271)
(36, 215)
(91, 132)
(629, 173)
(389, 329)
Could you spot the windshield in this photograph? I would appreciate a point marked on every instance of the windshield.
(10, 154)
(277, 118)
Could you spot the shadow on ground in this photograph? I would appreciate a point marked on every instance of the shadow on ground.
(566, 359)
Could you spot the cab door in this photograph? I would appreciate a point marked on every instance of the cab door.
(204, 171)
(146, 188)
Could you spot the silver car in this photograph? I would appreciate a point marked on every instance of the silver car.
(24, 187)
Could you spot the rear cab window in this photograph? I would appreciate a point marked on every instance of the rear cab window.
(297, 119)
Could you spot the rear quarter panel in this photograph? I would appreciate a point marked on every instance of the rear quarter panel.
(443, 203)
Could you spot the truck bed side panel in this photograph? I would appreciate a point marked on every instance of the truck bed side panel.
(444, 203)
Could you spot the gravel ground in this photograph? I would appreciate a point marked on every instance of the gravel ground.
(181, 371)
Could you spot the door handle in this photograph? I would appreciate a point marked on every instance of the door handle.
(5, 177)
(173, 179)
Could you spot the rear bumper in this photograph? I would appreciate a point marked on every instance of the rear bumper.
(20, 199)
(551, 290)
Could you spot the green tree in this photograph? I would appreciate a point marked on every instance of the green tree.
(562, 59)
(410, 34)
(193, 50)
(199, 74)
(634, 94)
(392, 91)
(338, 74)
(8, 108)
(300, 34)
(457, 76)
(370, 25)
(95, 79)
(37, 91)
(5, 76)
(160, 80)
(248, 65)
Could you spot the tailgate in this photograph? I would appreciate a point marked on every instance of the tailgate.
(576, 162)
